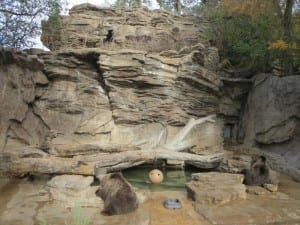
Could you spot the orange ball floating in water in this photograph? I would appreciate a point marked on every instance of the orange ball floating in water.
(156, 176)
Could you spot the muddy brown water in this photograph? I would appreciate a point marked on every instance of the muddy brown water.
(26, 202)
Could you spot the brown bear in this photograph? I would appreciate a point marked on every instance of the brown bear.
(260, 173)
(117, 194)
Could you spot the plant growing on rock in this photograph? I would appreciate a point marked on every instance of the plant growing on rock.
(287, 54)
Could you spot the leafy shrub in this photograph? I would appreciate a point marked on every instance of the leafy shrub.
(288, 55)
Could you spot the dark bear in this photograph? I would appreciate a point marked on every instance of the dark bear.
(259, 173)
(117, 194)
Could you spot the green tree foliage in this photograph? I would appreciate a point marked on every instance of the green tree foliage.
(244, 30)
(241, 38)
(20, 20)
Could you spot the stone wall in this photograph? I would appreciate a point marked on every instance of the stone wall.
(21, 77)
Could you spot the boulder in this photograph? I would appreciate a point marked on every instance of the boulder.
(235, 162)
(257, 190)
(215, 188)
(271, 120)
(71, 190)
(272, 110)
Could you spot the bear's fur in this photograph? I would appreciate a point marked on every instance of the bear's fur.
(259, 173)
(117, 194)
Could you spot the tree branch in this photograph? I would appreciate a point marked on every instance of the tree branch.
(16, 13)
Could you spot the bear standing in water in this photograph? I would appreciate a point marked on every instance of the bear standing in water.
(260, 173)
(117, 194)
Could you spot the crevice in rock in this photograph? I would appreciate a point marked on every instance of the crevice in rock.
(13, 135)
(92, 58)
(102, 83)
(3, 139)
(38, 116)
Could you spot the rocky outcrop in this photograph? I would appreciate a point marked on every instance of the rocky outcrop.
(273, 109)
(135, 28)
(215, 189)
(137, 81)
(71, 190)
(95, 93)
(271, 120)
(21, 77)
(83, 101)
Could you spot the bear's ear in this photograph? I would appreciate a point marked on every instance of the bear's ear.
(99, 192)
(263, 159)
(116, 176)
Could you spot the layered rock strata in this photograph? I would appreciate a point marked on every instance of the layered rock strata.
(85, 101)
(89, 26)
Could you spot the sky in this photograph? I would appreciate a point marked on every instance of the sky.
(103, 3)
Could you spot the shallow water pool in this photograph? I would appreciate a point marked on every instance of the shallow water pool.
(174, 179)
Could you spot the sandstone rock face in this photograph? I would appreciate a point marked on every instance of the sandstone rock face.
(144, 87)
(125, 97)
(138, 28)
(21, 77)
(71, 108)
(83, 99)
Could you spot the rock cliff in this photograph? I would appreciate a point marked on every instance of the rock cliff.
(103, 97)
(114, 28)
(273, 109)
(271, 120)
(131, 79)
